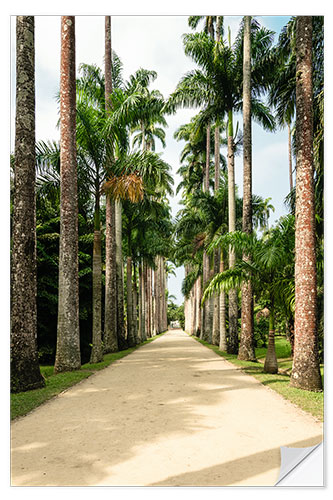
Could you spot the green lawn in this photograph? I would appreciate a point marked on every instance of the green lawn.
(312, 402)
(23, 402)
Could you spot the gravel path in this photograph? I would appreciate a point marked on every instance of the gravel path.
(172, 413)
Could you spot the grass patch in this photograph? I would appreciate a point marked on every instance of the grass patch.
(311, 402)
(24, 402)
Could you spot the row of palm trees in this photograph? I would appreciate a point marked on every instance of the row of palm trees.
(272, 268)
(93, 166)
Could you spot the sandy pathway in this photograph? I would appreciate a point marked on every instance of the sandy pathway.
(171, 413)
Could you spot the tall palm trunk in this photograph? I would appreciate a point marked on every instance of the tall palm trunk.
(271, 365)
(97, 351)
(223, 329)
(164, 300)
(305, 372)
(216, 298)
(246, 347)
(68, 335)
(122, 343)
(110, 320)
(110, 323)
(206, 316)
(198, 298)
(157, 294)
(233, 299)
(25, 373)
(130, 332)
(135, 306)
(142, 303)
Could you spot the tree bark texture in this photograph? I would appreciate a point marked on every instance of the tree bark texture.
(246, 347)
(305, 372)
(130, 330)
(110, 310)
(68, 335)
(122, 343)
(96, 350)
(216, 298)
(271, 365)
(233, 298)
(222, 303)
(135, 307)
(143, 302)
(110, 323)
(25, 373)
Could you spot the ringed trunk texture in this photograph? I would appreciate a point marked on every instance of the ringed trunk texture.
(305, 372)
(233, 297)
(25, 373)
(246, 347)
(68, 335)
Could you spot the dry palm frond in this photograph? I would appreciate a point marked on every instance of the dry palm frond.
(125, 187)
(264, 313)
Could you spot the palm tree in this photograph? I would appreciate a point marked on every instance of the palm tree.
(246, 347)
(110, 324)
(305, 371)
(68, 336)
(269, 267)
(25, 373)
(217, 87)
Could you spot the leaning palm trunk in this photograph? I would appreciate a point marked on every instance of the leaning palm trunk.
(68, 335)
(246, 347)
(271, 365)
(306, 371)
(233, 298)
(110, 326)
(25, 373)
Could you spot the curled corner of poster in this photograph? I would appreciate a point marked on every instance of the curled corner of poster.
(302, 466)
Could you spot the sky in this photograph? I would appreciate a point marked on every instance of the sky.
(151, 42)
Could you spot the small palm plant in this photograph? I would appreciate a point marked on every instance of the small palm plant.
(270, 270)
